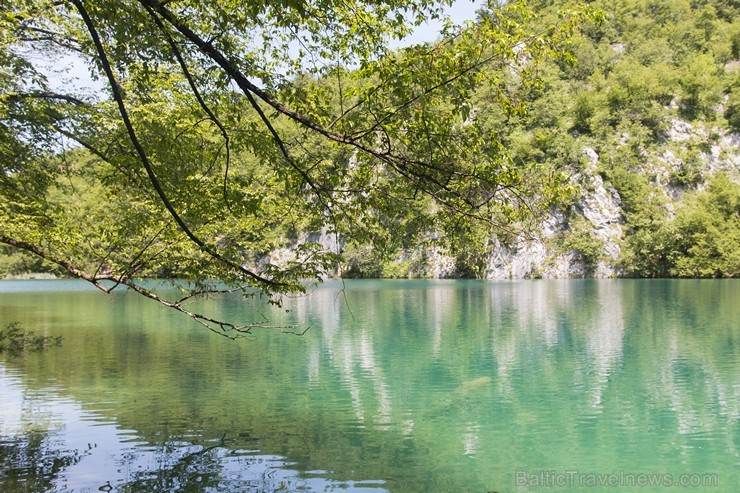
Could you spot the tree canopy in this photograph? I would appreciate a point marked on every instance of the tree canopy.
(227, 129)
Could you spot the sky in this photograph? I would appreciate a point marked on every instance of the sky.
(459, 12)
(76, 73)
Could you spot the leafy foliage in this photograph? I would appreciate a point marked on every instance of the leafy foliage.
(648, 66)
(702, 240)
(214, 144)
(582, 240)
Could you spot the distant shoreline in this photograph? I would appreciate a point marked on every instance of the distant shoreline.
(29, 276)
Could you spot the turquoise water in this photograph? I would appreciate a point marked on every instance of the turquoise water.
(619, 385)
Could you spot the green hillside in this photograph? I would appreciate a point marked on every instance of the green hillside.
(645, 112)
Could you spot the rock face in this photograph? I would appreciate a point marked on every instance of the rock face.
(541, 257)
(599, 208)
(281, 257)
(597, 215)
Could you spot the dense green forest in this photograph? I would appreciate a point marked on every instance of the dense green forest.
(652, 91)
(636, 100)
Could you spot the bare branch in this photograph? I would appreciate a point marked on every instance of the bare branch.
(66, 265)
(48, 96)
(220, 327)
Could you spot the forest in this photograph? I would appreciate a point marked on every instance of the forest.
(268, 146)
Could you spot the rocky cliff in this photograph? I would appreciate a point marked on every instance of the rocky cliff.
(597, 213)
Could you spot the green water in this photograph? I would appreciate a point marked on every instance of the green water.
(406, 386)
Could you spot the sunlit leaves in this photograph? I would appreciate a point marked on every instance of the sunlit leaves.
(228, 131)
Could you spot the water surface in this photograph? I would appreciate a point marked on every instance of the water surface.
(628, 385)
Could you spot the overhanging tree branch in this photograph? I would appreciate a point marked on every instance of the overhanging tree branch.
(408, 168)
(220, 327)
(66, 265)
(196, 92)
(118, 97)
(48, 95)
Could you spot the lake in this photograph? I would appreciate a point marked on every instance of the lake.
(401, 386)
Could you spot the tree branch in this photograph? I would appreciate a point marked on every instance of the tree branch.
(201, 102)
(220, 327)
(66, 265)
(48, 95)
(399, 163)
(143, 157)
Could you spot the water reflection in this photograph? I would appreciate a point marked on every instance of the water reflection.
(604, 340)
(398, 386)
(53, 444)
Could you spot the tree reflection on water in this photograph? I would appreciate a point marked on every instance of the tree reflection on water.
(32, 462)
